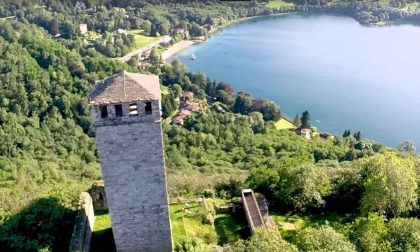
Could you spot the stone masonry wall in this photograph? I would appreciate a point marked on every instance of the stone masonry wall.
(97, 192)
(131, 156)
(82, 232)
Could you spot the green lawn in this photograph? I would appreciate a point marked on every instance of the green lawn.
(290, 224)
(228, 228)
(384, 2)
(190, 222)
(278, 4)
(177, 222)
(102, 237)
(284, 124)
(141, 39)
(102, 221)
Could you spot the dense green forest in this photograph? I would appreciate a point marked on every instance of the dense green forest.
(47, 147)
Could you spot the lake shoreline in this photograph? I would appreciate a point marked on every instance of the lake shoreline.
(169, 54)
(296, 88)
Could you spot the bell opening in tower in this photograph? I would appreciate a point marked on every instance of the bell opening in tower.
(104, 111)
(148, 108)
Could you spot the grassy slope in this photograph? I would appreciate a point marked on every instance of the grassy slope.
(189, 223)
(141, 39)
(278, 4)
(290, 224)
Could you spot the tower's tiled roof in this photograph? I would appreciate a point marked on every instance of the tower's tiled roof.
(126, 87)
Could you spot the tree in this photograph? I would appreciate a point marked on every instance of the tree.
(390, 185)
(177, 90)
(225, 97)
(146, 25)
(271, 111)
(263, 239)
(407, 147)
(404, 234)
(269, 240)
(357, 136)
(346, 133)
(243, 103)
(54, 27)
(370, 233)
(346, 192)
(67, 30)
(323, 239)
(190, 244)
(303, 186)
(153, 31)
(264, 180)
(169, 105)
(133, 61)
(163, 28)
(258, 124)
(305, 119)
(229, 189)
(154, 56)
(296, 121)
(225, 87)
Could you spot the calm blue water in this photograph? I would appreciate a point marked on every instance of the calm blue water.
(348, 76)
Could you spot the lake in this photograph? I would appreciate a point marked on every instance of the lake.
(347, 75)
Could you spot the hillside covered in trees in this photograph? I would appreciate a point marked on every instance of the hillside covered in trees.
(47, 147)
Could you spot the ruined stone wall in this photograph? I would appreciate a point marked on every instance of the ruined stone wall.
(82, 232)
(97, 192)
(131, 156)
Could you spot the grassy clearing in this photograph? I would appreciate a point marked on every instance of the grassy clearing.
(102, 237)
(177, 221)
(411, 6)
(102, 221)
(142, 40)
(189, 221)
(290, 224)
(190, 181)
(228, 228)
(279, 4)
(384, 2)
(284, 124)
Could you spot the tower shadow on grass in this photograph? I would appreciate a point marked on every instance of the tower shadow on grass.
(231, 227)
(102, 236)
(103, 241)
(43, 224)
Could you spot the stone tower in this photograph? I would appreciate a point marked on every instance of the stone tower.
(127, 115)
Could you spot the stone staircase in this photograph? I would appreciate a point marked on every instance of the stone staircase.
(252, 211)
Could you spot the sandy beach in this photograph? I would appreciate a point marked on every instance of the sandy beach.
(167, 55)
